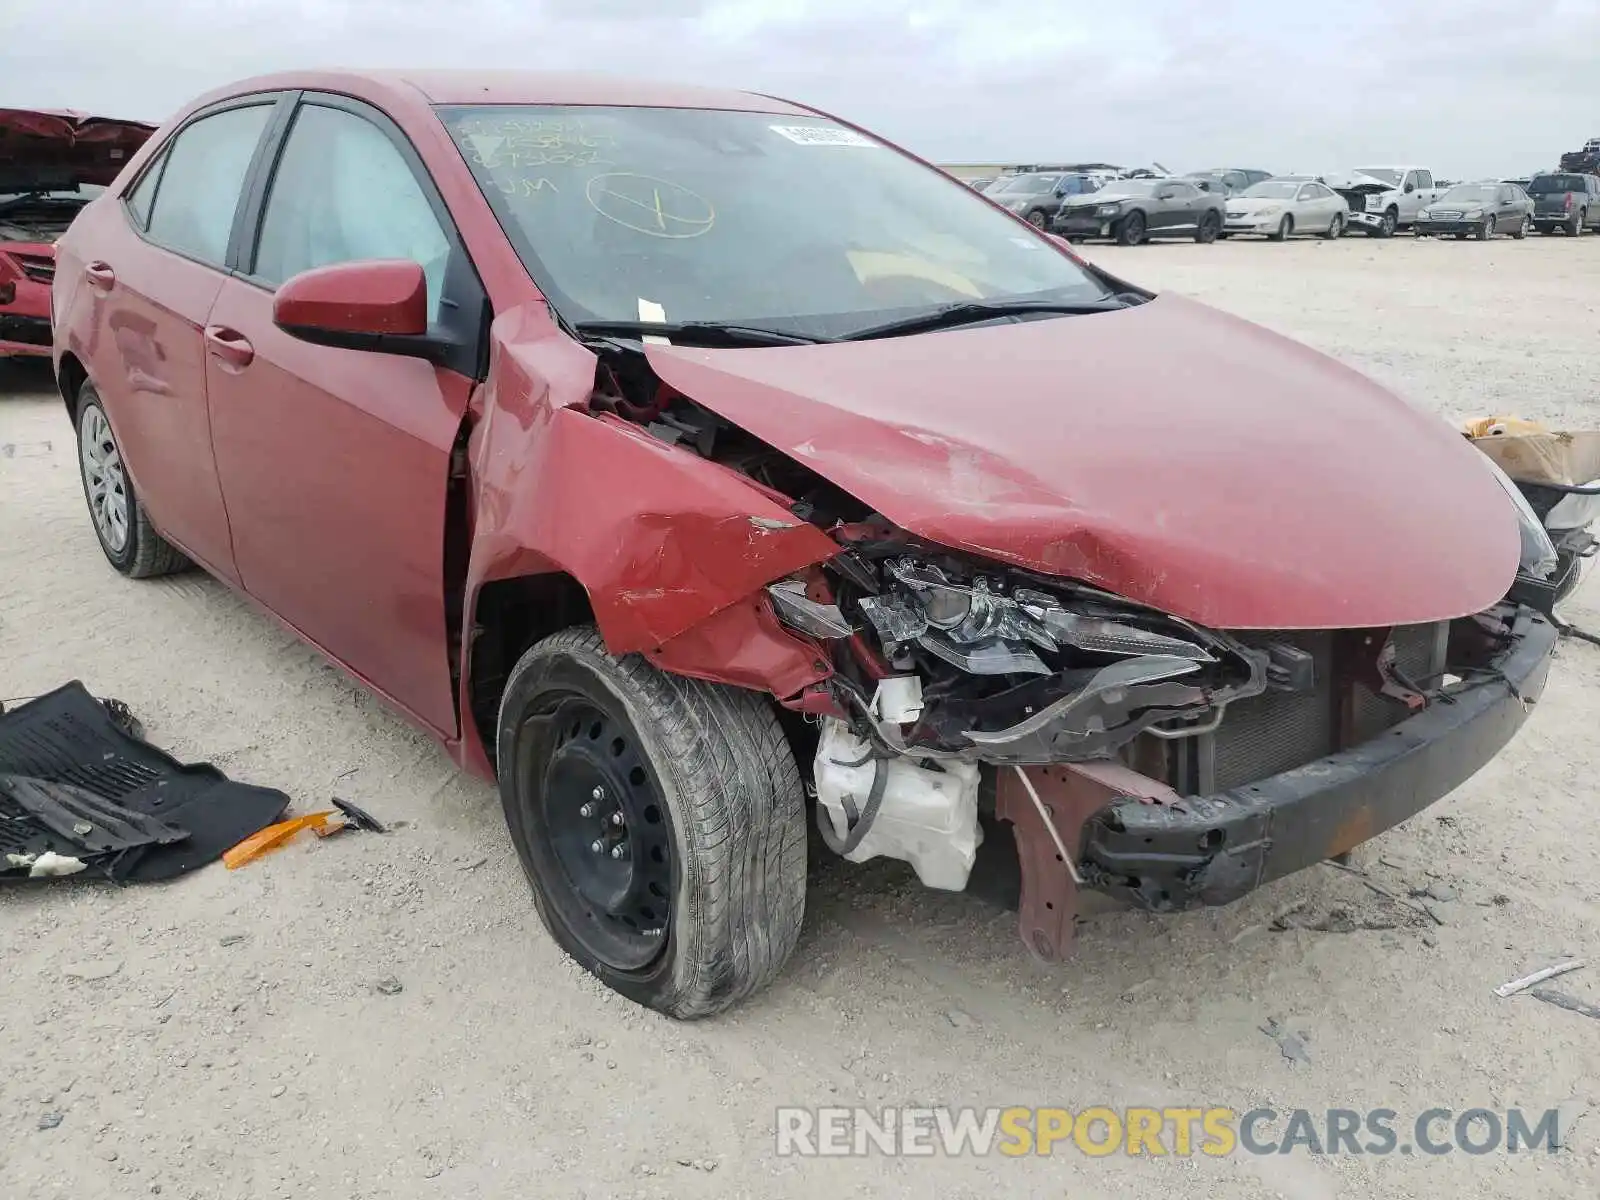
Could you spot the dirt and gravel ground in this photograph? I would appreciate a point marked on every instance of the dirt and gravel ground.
(225, 1036)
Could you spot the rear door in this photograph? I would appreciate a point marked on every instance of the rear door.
(156, 266)
(336, 463)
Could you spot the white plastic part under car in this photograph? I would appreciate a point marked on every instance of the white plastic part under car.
(926, 815)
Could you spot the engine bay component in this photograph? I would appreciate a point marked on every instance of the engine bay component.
(1017, 668)
(875, 805)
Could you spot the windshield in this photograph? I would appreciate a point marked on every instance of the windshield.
(1470, 193)
(1392, 178)
(792, 223)
(1273, 189)
(1029, 184)
(1546, 185)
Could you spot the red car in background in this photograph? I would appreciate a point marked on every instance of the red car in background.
(51, 165)
(664, 450)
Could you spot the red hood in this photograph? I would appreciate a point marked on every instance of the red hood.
(1170, 453)
(61, 149)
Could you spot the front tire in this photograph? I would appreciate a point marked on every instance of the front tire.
(121, 525)
(694, 898)
(1284, 229)
(1335, 227)
(1131, 231)
(1485, 231)
(1391, 222)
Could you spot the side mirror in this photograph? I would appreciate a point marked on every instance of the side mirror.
(1411, 187)
(379, 305)
(8, 291)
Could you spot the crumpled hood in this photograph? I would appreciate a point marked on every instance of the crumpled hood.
(1356, 182)
(1168, 452)
(62, 149)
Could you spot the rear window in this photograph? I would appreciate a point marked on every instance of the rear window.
(1545, 185)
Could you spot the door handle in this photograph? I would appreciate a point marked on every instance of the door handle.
(100, 275)
(229, 345)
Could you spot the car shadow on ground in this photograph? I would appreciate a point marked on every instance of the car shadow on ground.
(25, 377)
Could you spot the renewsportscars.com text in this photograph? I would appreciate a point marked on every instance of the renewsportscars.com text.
(1215, 1132)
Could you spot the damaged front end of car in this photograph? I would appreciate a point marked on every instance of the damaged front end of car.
(1027, 735)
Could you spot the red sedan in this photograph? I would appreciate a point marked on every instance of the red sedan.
(51, 164)
(665, 451)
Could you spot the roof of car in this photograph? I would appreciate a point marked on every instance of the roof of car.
(466, 86)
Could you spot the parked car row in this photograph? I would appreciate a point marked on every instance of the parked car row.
(1378, 201)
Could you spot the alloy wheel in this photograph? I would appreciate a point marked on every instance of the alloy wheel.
(103, 478)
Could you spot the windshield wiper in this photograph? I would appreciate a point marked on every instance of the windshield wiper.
(699, 332)
(970, 312)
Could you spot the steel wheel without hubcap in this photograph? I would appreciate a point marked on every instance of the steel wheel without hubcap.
(605, 839)
(103, 479)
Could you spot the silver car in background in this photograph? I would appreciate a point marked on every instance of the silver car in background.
(1289, 204)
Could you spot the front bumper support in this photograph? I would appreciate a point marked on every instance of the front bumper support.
(1214, 849)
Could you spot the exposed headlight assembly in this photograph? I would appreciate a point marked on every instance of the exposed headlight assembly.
(1108, 210)
(985, 632)
(1538, 551)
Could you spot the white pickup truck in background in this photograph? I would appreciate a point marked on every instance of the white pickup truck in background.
(1383, 200)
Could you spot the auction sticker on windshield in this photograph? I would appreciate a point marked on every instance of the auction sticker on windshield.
(822, 135)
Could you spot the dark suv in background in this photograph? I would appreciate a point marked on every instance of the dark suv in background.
(1565, 200)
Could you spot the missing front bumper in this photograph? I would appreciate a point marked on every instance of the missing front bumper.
(1214, 849)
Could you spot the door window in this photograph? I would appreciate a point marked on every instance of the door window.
(198, 192)
(1424, 179)
(342, 193)
(139, 199)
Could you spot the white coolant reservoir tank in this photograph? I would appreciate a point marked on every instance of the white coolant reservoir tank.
(928, 816)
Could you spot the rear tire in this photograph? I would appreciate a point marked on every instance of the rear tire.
(1209, 230)
(121, 525)
(1580, 222)
(1522, 229)
(694, 900)
(1131, 231)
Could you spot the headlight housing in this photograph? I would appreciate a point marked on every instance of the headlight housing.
(1108, 210)
(1538, 559)
(1472, 214)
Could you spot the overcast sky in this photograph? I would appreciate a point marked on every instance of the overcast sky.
(1468, 87)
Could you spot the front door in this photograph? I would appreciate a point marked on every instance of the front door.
(334, 462)
(162, 270)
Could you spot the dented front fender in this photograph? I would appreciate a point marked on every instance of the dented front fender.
(660, 538)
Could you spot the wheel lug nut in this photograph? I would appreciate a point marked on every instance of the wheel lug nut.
(616, 818)
(586, 811)
(616, 852)
(599, 793)
(597, 845)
